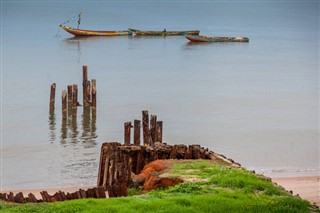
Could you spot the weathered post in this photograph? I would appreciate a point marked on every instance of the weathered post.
(84, 81)
(69, 95)
(145, 125)
(159, 131)
(64, 104)
(136, 137)
(94, 93)
(75, 97)
(52, 95)
(87, 95)
(153, 128)
(127, 133)
(64, 101)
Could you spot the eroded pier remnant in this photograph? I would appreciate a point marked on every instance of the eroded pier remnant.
(117, 160)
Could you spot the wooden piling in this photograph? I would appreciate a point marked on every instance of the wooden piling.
(153, 128)
(52, 95)
(94, 93)
(145, 125)
(159, 131)
(87, 94)
(64, 101)
(127, 133)
(84, 82)
(69, 94)
(137, 129)
(75, 96)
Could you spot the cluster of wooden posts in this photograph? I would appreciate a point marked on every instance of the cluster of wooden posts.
(117, 160)
(152, 131)
(69, 97)
(96, 192)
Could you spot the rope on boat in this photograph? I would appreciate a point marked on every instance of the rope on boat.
(73, 18)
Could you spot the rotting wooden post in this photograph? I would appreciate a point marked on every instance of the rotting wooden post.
(137, 129)
(87, 95)
(94, 93)
(84, 81)
(52, 95)
(64, 101)
(153, 128)
(127, 133)
(145, 125)
(69, 94)
(75, 96)
(159, 131)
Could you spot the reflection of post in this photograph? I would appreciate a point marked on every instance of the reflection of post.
(93, 123)
(86, 123)
(52, 125)
(74, 126)
(63, 130)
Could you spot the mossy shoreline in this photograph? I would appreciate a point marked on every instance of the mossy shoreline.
(213, 187)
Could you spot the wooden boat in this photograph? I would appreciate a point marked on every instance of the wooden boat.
(80, 32)
(164, 33)
(198, 38)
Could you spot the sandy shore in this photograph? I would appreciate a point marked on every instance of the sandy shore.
(51, 191)
(308, 188)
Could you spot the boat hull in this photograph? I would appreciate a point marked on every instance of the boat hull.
(164, 33)
(195, 38)
(80, 32)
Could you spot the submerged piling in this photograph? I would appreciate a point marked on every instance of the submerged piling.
(84, 82)
(94, 93)
(52, 95)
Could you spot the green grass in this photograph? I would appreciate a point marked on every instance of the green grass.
(220, 189)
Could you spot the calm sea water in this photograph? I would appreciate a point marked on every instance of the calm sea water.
(255, 102)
